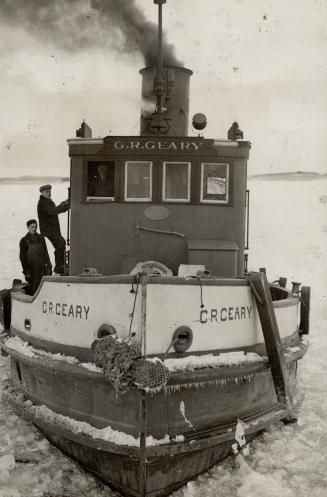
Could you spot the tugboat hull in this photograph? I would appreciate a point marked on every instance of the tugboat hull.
(170, 445)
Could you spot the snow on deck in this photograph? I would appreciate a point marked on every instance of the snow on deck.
(21, 346)
(193, 362)
(182, 364)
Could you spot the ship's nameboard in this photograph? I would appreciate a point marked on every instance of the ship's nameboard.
(169, 145)
(158, 146)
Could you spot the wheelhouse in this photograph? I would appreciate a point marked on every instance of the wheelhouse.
(176, 200)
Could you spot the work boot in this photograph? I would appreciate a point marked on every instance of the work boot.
(60, 270)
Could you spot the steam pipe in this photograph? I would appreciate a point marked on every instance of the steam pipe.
(68, 219)
(159, 83)
(160, 58)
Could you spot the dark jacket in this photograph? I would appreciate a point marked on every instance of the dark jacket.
(48, 216)
(34, 255)
(101, 187)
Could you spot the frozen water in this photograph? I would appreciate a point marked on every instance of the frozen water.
(289, 237)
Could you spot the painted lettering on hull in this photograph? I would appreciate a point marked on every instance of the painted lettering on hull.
(220, 315)
(73, 311)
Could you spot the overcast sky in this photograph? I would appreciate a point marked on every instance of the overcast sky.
(260, 62)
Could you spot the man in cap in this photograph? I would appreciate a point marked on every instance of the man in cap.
(50, 227)
(34, 257)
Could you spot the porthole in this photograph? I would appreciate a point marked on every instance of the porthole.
(106, 329)
(27, 324)
(182, 339)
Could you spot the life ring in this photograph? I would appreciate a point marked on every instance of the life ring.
(151, 267)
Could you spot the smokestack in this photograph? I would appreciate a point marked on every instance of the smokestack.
(175, 102)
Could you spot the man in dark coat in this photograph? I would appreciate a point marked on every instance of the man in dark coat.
(34, 257)
(101, 181)
(50, 227)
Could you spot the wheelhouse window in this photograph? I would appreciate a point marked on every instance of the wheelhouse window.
(100, 181)
(214, 183)
(138, 181)
(176, 181)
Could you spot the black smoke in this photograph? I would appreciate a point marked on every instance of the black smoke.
(74, 25)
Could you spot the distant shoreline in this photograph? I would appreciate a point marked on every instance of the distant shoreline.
(289, 176)
(18, 180)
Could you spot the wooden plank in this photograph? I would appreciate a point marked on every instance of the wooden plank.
(143, 434)
(272, 338)
(5, 309)
(305, 310)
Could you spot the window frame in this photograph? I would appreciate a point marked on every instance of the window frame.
(212, 201)
(189, 171)
(143, 199)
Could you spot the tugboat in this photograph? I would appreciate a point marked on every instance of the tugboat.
(158, 353)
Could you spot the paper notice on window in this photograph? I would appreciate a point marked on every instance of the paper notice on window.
(216, 186)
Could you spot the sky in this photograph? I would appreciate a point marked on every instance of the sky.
(262, 63)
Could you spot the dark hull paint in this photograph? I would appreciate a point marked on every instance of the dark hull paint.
(212, 397)
(156, 471)
(172, 473)
(214, 400)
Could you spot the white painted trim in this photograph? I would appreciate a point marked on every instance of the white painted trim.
(144, 284)
(85, 141)
(183, 200)
(143, 199)
(202, 200)
(225, 143)
(94, 199)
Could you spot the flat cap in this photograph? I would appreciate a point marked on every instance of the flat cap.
(31, 221)
(45, 187)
